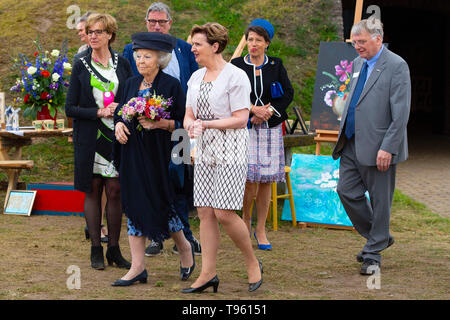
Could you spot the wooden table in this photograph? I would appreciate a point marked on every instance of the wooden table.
(11, 145)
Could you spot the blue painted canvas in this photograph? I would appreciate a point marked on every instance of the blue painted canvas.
(314, 181)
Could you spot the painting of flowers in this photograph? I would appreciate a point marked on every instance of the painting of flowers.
(332, 85)
(337, 89)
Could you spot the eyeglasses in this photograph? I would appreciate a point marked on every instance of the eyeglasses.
(97, 32)
(359, 43)
(153, 22)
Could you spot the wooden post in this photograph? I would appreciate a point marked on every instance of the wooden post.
(240, 48)
(358, 14)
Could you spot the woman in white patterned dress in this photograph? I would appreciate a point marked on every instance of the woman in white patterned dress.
(217, 110)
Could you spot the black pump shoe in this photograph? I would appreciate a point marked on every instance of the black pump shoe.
(142, 278)
(214, 282)
(253, 286)
(113, 255)
(185, 273)
(97, 260)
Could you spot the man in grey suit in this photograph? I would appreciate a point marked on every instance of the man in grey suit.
(372, 138)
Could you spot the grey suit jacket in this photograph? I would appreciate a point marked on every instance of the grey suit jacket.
(382, 112)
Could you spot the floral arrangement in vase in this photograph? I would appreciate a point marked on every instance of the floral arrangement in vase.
(337, 90)
(42, 86)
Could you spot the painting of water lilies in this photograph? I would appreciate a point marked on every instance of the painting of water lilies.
(314, 181)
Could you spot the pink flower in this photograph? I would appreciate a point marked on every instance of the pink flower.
(328, 100)
(343, 70)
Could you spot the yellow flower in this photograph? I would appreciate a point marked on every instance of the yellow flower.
(23, 89)
(50, 101)
(347, 81)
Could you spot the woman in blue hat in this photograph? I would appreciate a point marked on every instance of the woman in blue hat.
(271, 95)
(143, 157)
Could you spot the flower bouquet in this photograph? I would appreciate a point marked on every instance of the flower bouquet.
(338, 88)
(42, 85)
(151, 106)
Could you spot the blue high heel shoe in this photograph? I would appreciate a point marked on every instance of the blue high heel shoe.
(142, 278)
(266, 247)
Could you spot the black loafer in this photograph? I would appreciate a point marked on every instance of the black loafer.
(369, 267)
(359, 256)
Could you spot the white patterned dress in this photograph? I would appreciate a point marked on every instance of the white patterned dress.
(221, 161)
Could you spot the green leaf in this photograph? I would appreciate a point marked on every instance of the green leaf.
(330, 75)
(52, 111)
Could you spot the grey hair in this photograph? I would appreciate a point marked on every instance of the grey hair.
(163, 58)
(372, 25)
(159, 7)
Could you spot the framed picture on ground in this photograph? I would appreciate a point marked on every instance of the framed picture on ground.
(20, 202)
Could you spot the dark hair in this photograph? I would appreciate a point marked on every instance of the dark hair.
(259, 31)
(214, 32)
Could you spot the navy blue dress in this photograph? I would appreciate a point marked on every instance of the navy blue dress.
(147, 193)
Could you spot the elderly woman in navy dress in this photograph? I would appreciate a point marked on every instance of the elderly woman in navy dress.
(143, 157)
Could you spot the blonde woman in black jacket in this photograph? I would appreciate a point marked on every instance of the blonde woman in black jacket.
(94, 91)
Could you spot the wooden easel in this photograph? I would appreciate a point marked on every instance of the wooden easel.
(358, 14)
(325, 136)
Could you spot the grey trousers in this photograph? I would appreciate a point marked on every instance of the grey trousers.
(370, 218)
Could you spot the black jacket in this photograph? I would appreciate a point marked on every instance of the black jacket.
(272, 71)
(81, 106)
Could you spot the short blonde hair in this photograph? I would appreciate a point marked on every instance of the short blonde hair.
(108, 21)
(214, 32)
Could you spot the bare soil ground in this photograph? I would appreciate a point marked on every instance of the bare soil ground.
(312, 263)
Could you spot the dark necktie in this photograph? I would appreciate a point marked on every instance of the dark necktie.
(350, 121)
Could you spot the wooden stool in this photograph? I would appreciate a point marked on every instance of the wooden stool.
(274, 201)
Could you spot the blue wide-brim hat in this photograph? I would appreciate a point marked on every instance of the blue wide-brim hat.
(153, 41)
(266, 25)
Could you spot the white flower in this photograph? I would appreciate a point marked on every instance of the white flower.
(55, 77)
(67, 66)
(31, 70)
(336, 174)
(55, 53)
